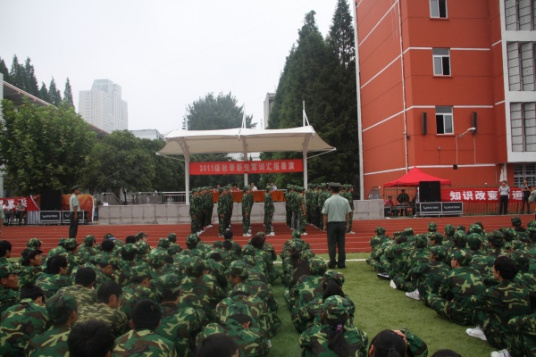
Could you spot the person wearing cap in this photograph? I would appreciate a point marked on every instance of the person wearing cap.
(9, 294)
(87, 251)
(74, 208)
(336, 211)
(269, 209)
(142, 340)
(454, 298)
(180, 322)
(334, 336)
(106, 308)
(61, 311)
(221, 211)
(247, 206)
(498, 304)
(403, 200)
(137, 289)
(23, 321)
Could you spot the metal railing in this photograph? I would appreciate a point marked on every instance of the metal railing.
(144, 198)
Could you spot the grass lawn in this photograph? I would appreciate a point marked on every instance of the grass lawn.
(378, 307)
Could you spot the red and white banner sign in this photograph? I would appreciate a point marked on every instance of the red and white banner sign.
(477, 194)
(245, 167)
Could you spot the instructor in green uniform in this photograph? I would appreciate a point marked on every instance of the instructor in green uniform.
(336, 212)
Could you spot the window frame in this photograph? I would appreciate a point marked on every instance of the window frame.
(444, 62)
(438, 5)
(444, 112)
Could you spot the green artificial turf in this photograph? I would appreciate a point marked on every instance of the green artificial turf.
(378, 307)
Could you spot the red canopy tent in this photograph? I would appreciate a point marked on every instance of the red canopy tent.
(413, 177)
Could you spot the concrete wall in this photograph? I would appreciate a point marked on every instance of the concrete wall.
(180, 214)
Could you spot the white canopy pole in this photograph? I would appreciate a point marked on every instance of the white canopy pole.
(186, 153)
(305, 147)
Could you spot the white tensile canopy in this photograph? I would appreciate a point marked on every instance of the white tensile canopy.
(243, 140)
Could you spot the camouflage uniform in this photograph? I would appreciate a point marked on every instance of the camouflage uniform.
(348, 195)
(269, 209)
(315, 340)
(496, 306)
(222, 204)
(54, 341)
(251, 341)
(115, 318)
(8, 297)
(247, 205)
(86, 253)
(179, 324)
(456, 291)
(28, 274)
(134, 292)
(523, 330)
(51, 283)
(83, 296)
(19, 324)
(138, 343)
(195, 211)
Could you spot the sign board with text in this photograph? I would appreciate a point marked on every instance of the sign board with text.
(245, 167)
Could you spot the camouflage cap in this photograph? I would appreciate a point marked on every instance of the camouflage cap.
(105, 260)
(62, 242)
(450, 230)
(317, 266)
(462, 257)
(334, 275)
(532, 223)
(523, 236)
(195, 266)
(34, 243)
(522, 259)
(421, 241)
(434, 236)
(60, 304)
(508, 234)
(335, 309)
(238, 268)
(167, 282)
(172, 237)
(475, 228)
(438, 252)
(107, 236)
(460, 236)
(192, 239)
(139, 272)
(496, 238)
(380, 230)
(89, 240)
(163, 243)
(296, 245)
(409, 231)
(157, 259)
(516, 221)
(432, 227)
(296, 234)
(247, 188)
(71, 244)
(141, 235)
(269, 188)
(6, 269)
(249, 260)
(142, 247)
(474, 240)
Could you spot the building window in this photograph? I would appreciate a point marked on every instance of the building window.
(521, 63)
(441, 61)
(520, 15)
(438, 9)
(525, 171)
(523, 126)
(444, 122)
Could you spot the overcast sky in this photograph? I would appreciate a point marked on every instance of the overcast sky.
(165, 54)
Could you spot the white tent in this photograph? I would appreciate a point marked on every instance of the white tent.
(243, 140)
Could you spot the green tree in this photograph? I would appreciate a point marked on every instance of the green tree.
(16, 74)
(43, 148)
(211, 113)
(68, 93)
(4, 70)
(43, 93)
(124, 164)
(169, 173)
(54, 93)
(30, 83)
(321, 73)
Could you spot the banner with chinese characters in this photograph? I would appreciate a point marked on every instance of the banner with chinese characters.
(477, 194)
(245, 167)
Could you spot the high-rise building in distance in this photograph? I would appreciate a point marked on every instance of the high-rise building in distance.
(103, 107)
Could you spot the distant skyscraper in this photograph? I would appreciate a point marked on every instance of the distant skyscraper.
(103, 107)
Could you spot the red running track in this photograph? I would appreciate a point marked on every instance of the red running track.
(359, 242)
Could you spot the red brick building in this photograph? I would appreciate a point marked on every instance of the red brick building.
(447, 86)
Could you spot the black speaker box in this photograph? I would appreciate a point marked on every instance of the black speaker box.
(51, 200)
(429, 191)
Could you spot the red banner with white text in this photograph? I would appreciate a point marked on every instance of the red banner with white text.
(245, 167)
(477, 194)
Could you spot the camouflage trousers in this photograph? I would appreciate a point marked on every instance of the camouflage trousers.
(268, 223)
(246, 223)
(221, 224)
(451, 310)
